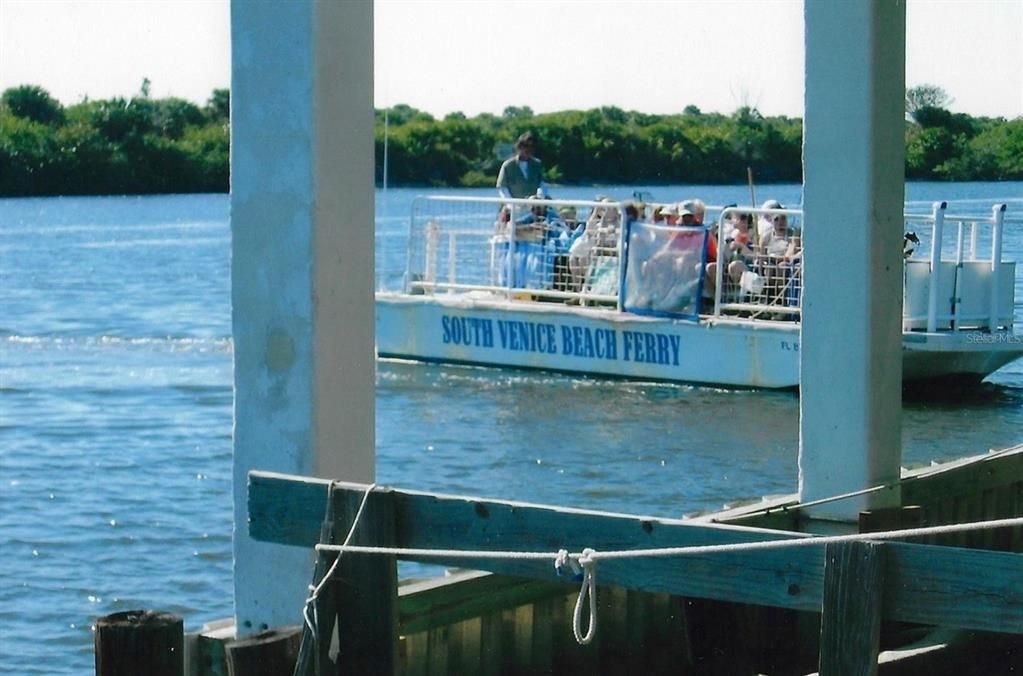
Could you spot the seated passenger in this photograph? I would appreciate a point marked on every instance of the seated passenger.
(670, 261)
(781, 241)
(690, 214)
(737, 234)
(599, 238)
(531, 262)
(568, 217)
(778, 264)
(669, 214)
(530, 226)
(738, 252)
(765, 223)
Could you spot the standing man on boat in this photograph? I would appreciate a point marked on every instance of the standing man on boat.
(521, 174)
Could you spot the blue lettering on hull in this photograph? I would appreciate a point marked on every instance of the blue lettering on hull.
(583, 342)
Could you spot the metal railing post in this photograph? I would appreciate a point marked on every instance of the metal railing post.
(938, 212)
(510, 259)
(451, 258)
(997, 215)
(623, 232)
(959, 271)
(432, 237)
(721, 262)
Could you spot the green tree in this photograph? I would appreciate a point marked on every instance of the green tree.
(517, 112)
(26, 156)
(33, 103)
(171, 116)
(218, 107)
(926, 96)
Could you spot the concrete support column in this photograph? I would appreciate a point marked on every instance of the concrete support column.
(302, 268)
(853, 155)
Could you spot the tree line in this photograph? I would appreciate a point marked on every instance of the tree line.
(145, 145)
(114, 146)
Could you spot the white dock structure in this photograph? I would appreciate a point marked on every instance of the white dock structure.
(301, 268)
(302, 170)
(853, 186)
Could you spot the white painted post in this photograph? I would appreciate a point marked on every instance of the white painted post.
(850, 347)
(937, 235)
(302, 268)
(997, 218)
(958, 306)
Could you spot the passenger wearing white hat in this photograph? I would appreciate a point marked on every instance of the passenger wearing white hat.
(766, 222)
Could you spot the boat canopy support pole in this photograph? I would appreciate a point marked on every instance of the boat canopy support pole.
(302, 268)
(850, 346)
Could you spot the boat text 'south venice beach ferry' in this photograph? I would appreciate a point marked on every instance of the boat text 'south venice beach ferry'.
(646, 292)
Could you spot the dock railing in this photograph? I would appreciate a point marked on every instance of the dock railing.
(853, 582)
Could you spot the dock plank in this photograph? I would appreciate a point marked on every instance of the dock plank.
(973, 589)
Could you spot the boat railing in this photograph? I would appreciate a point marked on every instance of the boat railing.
(519, 249)
(955, 275)
(598, 253)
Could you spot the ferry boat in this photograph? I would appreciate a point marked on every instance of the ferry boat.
(605, 288)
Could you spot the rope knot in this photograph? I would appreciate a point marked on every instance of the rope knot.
(565, 560)
(586, 558)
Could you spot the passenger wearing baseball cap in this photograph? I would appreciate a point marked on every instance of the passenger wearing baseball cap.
(691, 211)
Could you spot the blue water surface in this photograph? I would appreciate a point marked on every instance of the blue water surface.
(116, 414)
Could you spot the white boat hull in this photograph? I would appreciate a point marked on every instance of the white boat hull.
(480, 330)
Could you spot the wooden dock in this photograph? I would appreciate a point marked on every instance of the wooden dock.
(831, 607)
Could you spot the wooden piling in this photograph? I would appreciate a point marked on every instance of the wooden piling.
(851, 609)
(140, 642)
(367, 589)
(269, 652)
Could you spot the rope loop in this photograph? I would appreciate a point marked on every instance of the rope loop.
(588, 589)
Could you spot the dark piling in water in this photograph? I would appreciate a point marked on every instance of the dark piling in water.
(140, 642)
(270, 652)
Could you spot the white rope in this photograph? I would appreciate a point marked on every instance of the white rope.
(315, 590)
(583, 564)
(589, 589)
(679, 551)
(586, 560)
(813, 540)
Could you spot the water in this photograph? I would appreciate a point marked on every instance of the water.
(115, 417)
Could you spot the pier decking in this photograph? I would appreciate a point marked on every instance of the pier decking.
(742, 611)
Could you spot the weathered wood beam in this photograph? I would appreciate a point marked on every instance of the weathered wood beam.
(851, 611)
(947, 586)
(439, 603)
(367, 590)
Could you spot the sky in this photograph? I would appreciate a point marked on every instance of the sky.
(655, 56)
